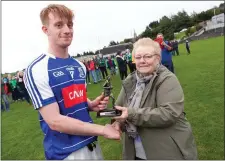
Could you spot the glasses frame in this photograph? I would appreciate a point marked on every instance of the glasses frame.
(144, 57)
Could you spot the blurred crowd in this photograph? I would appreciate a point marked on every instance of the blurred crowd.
(13, 90)
(98, 66)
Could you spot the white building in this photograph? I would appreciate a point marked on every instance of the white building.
(218, 18)
(216, 22)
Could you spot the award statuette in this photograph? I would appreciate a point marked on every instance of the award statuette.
(107, 93)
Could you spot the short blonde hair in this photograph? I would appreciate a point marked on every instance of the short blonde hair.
(147, 42)
(61, 10)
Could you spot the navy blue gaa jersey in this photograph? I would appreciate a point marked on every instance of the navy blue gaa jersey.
(49, 79)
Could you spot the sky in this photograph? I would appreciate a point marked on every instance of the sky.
(96, 23)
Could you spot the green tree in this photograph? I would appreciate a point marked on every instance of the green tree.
(181, 20)
(187, 32)
(127, 40)
(166, 27)
(153, 24)
(91, 53)
(147, 33)
(112, 43)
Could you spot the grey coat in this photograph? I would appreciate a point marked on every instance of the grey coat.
(160, 119)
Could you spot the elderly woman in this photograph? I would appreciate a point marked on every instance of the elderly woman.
(152, 105)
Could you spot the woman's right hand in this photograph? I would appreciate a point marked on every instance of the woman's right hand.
(123, 116)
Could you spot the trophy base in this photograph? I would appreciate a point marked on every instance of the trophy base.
(108, 113)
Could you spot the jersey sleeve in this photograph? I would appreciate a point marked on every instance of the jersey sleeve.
(36, 81)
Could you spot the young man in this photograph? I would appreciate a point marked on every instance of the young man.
(56, 84)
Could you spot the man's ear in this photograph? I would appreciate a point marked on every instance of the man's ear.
(45, 29)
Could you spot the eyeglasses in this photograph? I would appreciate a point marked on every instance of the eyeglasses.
(146, 57)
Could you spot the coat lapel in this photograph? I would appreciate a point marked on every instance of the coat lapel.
(129, 85)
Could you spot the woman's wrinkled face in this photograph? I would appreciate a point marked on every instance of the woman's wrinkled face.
(146, 59)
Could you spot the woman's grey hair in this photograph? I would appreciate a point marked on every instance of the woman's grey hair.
(147, 42)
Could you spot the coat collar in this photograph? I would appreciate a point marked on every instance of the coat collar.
(129, 84)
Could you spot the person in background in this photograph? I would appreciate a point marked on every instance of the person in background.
(15, 92)
(129, 60)
(8, 77)
(111, 66)
(86, 63)
(122, 65)
(152, 104)
(5, 88)
(21, 88)
(175, 47)
(92, 70)
(166, 58)
(102, 66)
(187, 45)
(97, 69)
(172, 45)
(114, 62)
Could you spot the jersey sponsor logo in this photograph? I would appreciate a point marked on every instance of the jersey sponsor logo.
(74, 94)
(58, 73)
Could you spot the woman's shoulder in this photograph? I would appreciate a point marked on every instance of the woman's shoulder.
(164, 74)
(130, 78)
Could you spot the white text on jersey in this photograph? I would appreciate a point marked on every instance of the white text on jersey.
(76, 94)
(58, 74)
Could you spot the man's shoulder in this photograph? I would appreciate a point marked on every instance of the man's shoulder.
(37, 63)
(79, 62)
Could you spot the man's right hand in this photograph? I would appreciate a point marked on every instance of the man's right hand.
(116, 125)
(110, 132)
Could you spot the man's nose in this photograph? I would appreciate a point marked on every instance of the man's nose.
(66, 29)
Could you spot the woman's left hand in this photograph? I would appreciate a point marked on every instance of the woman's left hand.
(124, 114)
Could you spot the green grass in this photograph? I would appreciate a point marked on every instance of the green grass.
(201, 75)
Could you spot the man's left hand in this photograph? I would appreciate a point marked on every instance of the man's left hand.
(100, 103)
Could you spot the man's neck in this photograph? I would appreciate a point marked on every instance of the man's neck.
(58, 52)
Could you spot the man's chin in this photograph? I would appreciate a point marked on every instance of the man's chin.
(65, 45)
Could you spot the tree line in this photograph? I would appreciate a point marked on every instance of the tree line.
(175, 23)
(168, 25)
